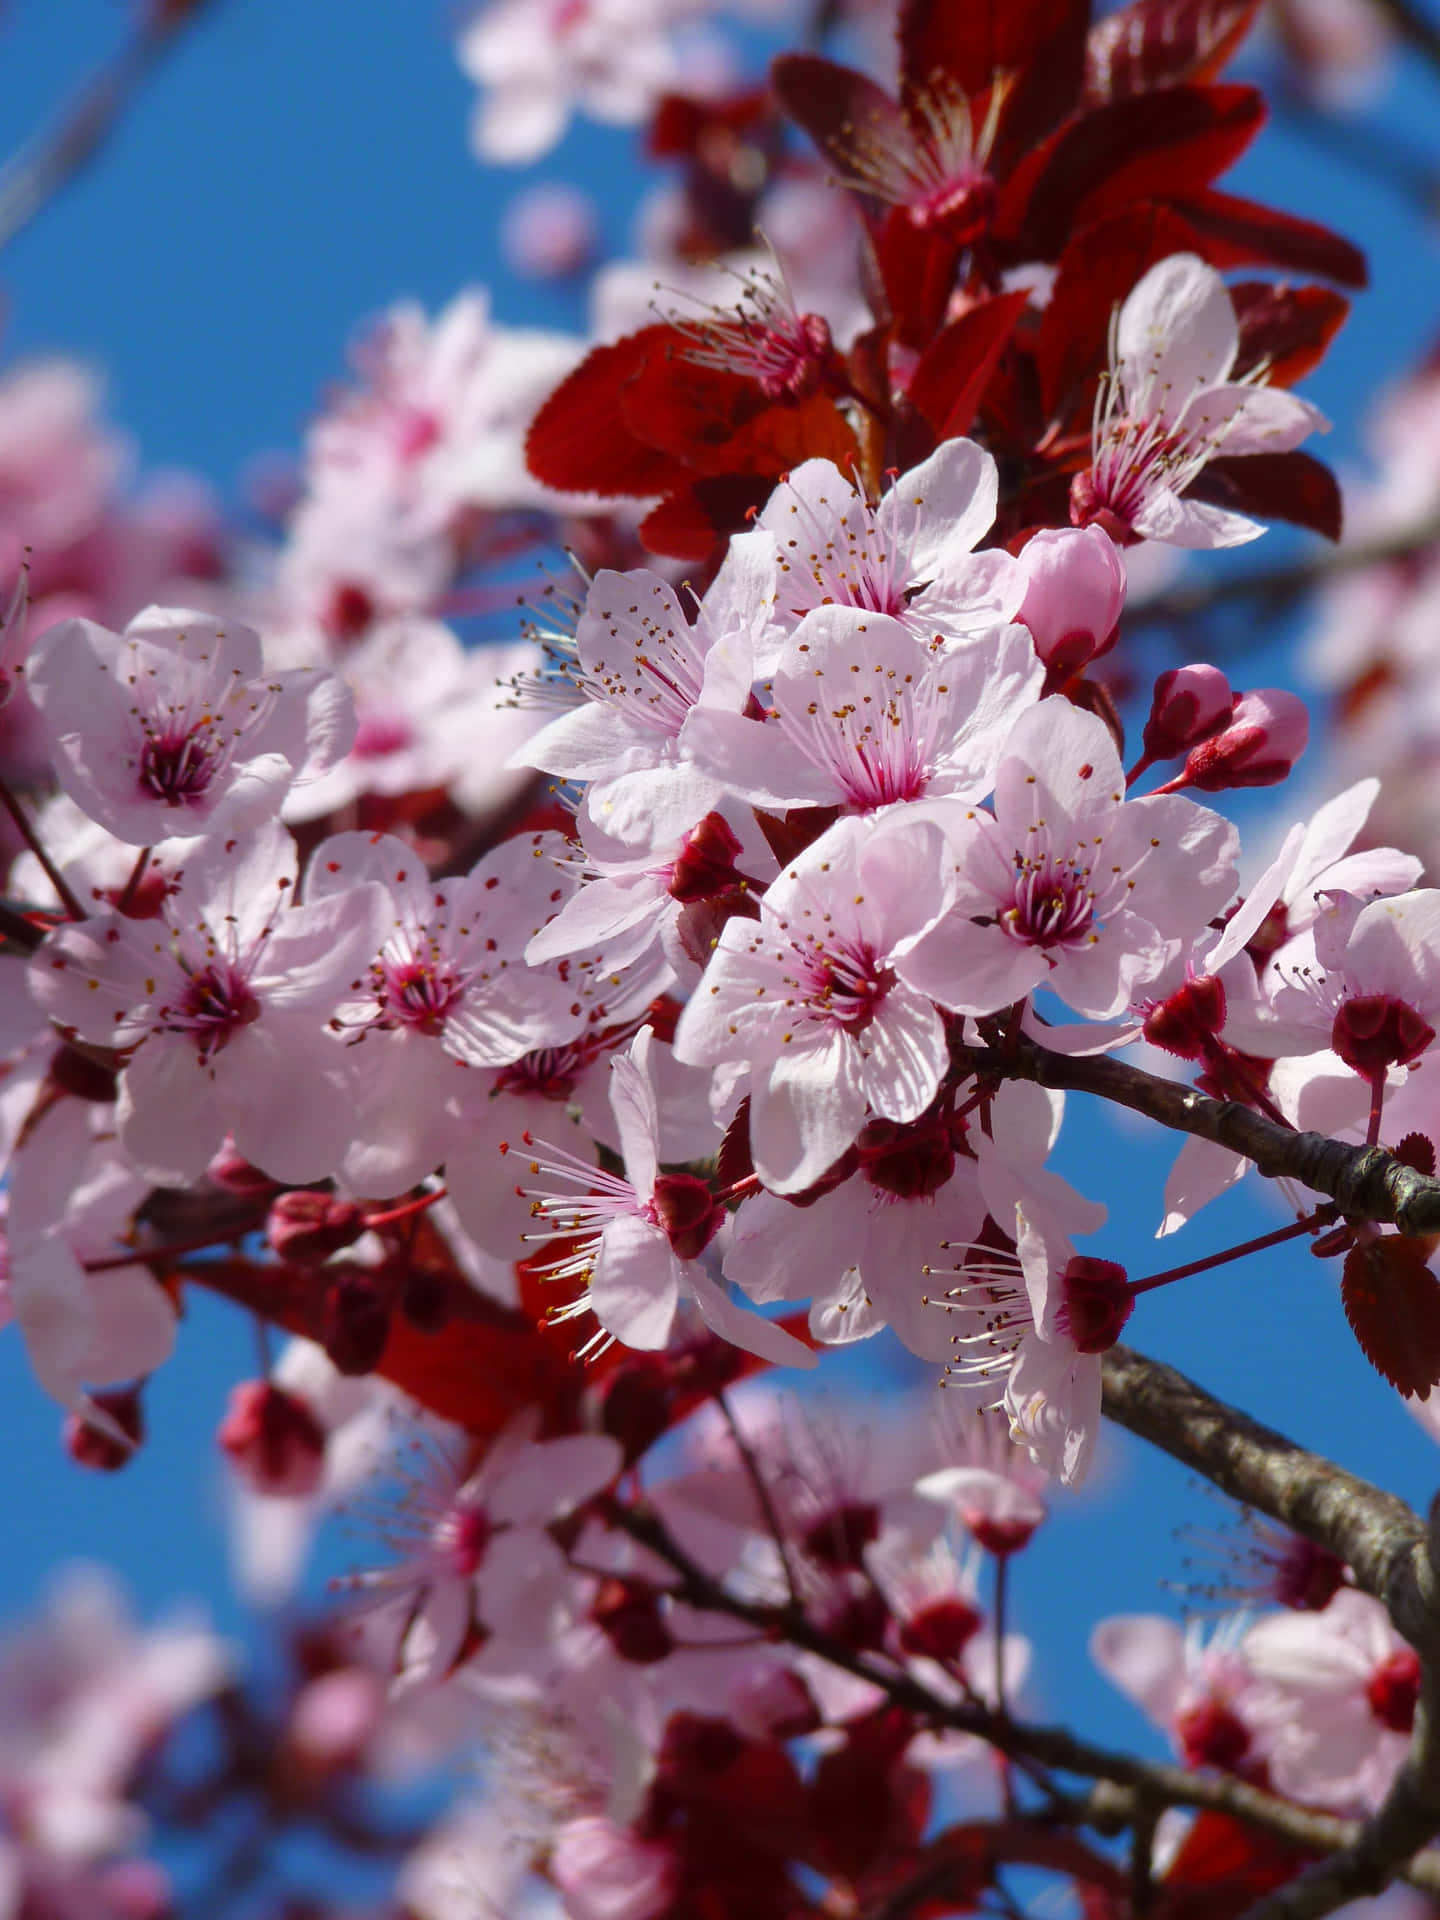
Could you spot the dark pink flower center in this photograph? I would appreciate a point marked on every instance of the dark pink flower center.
(466, 1532)
(1052, 904)
(1210, 1735)
(217, 1002)
(377, 734)
(550, 1072)
(848, 986)
(419, 993)
(178, 767)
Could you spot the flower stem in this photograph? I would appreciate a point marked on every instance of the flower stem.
(1322, 1216)
(26, 830)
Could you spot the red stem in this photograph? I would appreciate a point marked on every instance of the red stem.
(1321, 1217)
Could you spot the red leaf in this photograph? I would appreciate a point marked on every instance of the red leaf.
(1241, 233)
(581, 440)
(691, 523)
(834, 103)
(953, 372)
(1286, 329)
(1274, 486)
(1097, 270)
(1392, 1301)
(1039, 44)
(733, 1162)
(1159, 43)
(917, 272)
(691, 412)
(1155, 146)
(1222, 1869)
(866, 1800)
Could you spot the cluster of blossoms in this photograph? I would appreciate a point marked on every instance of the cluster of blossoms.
(556, 1036)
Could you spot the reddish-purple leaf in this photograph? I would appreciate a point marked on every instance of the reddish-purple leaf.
(950, 380)
(1241, 233)
(1392, 1301)
(1286, 329)
(692, 522)
(834, 104)
(1038, 44)
(1160, 43)
(581, 441)
(1275, 486)
(1156, 146)
(1098, 269)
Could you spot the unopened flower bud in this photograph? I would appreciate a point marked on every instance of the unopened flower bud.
(1191, 1017)
(306, 1227)
(235, 1174)
(1265, 736)
(549, 231)
(1075, 592)
(334, 1717)
(1376, 1031)
(1097, 1303)
(107, 1449)
(356, 1321)
(273, 1440)
(1188, 705)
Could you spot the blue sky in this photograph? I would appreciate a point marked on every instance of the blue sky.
(293, 169)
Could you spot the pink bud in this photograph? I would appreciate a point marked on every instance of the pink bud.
(1075, 591)
(335, 1715)
(1189, 704)
(274, 1441)
(236, 1175)
(1267, 734)
(307, 1227)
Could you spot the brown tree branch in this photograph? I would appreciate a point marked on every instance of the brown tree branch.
(1365, 1182)
(1376, 1534)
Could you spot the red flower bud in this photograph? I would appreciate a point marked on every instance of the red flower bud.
(274, 1441)
(942, 1631)
(1188, 705)
(1210, 1735)
(306, 1227)
(91, 1446)
(1266, 735)
(628, 1614)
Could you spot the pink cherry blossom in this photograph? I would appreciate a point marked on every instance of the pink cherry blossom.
(1168, 406)
(1343, 1687)
(865, 714)
(175, 727)
(809, 998)
(224, 1001)
(1203, 1691)
(1068, 885)
(472, 1547)
(71, 1199)
(633, 1244)
(446, 988)
(911, 556)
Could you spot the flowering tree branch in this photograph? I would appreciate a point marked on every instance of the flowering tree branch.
(1365, 1182)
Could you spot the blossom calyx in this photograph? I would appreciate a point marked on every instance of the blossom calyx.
(273, 1439)
(1096, 1303)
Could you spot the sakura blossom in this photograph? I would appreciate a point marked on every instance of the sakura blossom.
(811, 999)
(911, 556)
(174, 726)
(633, 1245)
(224, 1002)
(1068, 885)
(1168, 405)
(865, 715)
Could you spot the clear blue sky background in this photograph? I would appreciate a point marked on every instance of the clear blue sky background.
(297, 165)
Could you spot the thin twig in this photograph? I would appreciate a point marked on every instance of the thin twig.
(50, 160)
(762, 1495)
(25, 828)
